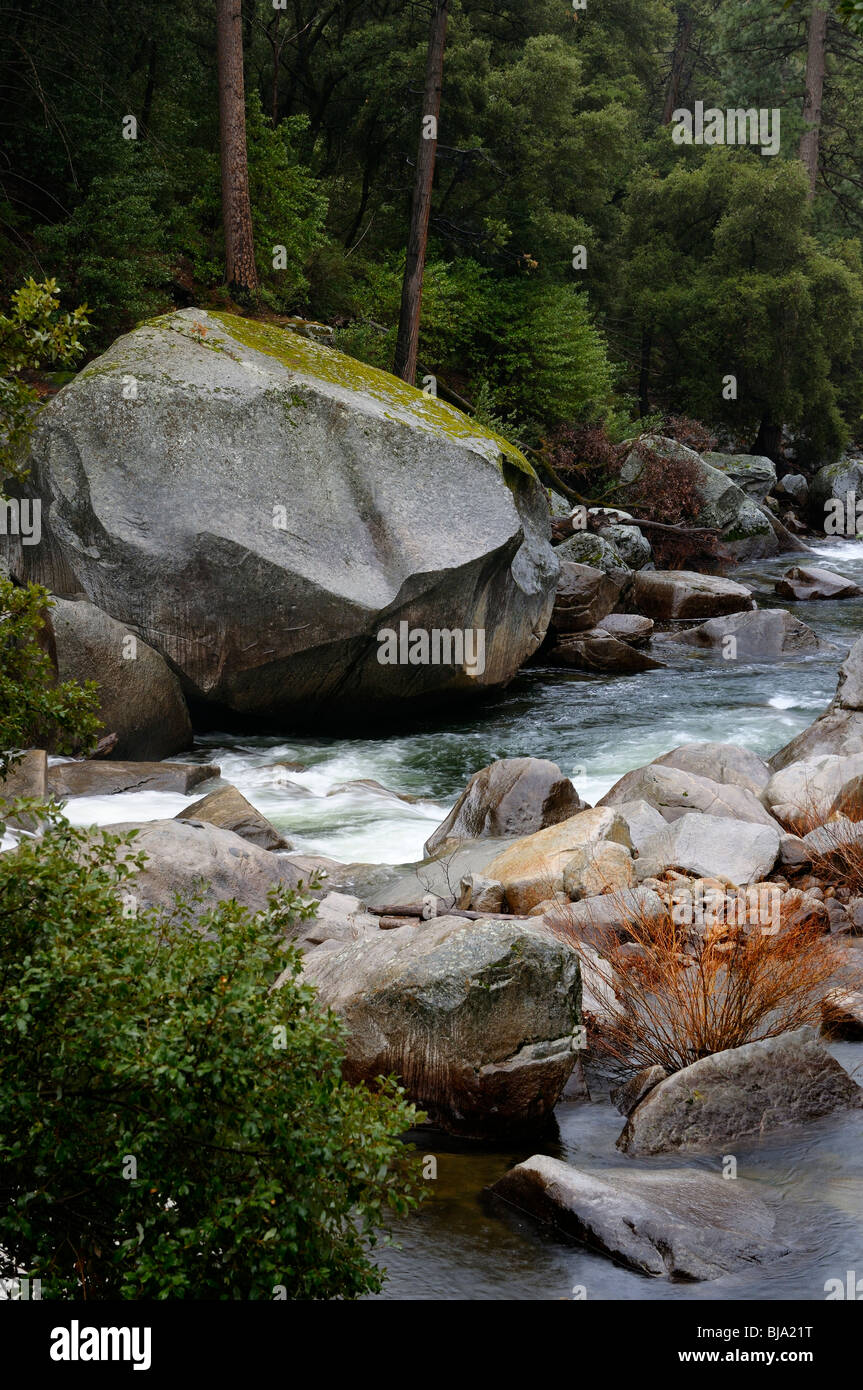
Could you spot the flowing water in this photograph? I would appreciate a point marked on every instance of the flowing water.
(596, 728)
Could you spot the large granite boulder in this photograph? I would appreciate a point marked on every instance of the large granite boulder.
(676, 793)
(803, 794)
(833, 482)
(680, 1222)
(97, 778)
(686, 594)
(512, 797)
(477, 1019)
(534, 868)
(839, 729)
(745, 530)
(721, 762)
(754, 474)
(202, 862)
(592, 549)
(228, 808)
(743, 1092)
(299, 535)
(140, 698)
(739, 852)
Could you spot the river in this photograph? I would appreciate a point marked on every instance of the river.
(596, 728)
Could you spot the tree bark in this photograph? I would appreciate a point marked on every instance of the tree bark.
(412, 285)
(240, 271)
(678, 61)
(816, 58)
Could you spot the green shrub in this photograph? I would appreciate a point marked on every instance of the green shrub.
(170, 1125)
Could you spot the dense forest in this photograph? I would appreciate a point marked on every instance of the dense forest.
(584, 266)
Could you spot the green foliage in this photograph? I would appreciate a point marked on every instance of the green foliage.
(156, 1039)
(726, 278)
(35, 708)
(35, 333)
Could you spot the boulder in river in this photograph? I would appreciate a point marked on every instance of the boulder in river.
(140, 698)
(676, 793)
(510, 797)
(110, 778)
(803, 794)
(533, 868)
(740, 1093)
(721, 762)
(686, 594)
(478, 1019)
(584, 596)
(598, 650)
(765, 634)
(682, 1223)
(228, 808)
(740, 852)
(806, 582)
(191, 858)
(840, 728)
(287, 526)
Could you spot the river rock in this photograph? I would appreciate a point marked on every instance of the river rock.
(675, 793)
(806, 582)
(795, 486)
(510, 797)
(478, 1019)
(598, 868)
(766, 634)
(627, 627)
(803, 795)
(109, 778)
(593, 549)
(739, 852)
(744, 529)
(744, 1091)
(681, 1223)
(189, 857)
(533, 868)
(754, 474)
(833, 482)
(140, 698)
(686, 594)
(229, 809)
(721, 762)
(266, 507)
(642, 819)
(629, 540)
(597, 650)
(584, 596)
(596, 919)
(839, 729)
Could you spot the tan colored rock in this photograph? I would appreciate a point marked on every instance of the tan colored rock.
(229, 809)
(533, 868)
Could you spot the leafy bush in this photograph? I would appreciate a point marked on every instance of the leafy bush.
(170, 1125)
(35, 708)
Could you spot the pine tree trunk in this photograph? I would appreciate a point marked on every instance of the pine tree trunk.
(816, 56)
(412, 285)
(240, 272)
(678, 61)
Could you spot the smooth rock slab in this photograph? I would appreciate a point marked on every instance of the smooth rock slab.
(746, 1091)
(740, 852)
(99, 778)
(680, 1223)
(476, 1018)
(721, 762)
(686, 594)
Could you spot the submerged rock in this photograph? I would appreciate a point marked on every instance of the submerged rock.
(514, 796)
(680, 1222)
(749, 1090)
(476, 1018)
(766, 634)
(266, 507)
